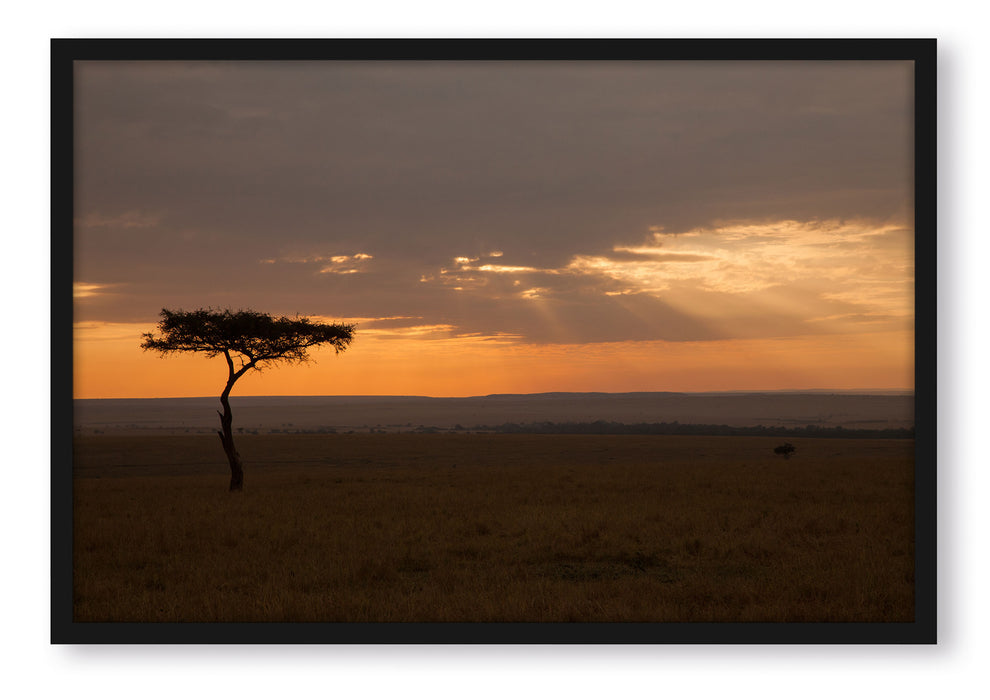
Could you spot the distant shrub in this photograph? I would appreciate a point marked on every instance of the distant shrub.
(787, 449)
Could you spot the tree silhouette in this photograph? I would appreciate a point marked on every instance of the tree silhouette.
(253, 340)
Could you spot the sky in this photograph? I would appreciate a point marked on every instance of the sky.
(501, 227)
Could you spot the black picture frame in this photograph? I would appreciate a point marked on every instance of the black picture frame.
(64, 52)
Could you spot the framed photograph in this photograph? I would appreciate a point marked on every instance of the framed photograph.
(493, 341)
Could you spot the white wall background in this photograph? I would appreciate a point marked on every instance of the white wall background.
(40, 670)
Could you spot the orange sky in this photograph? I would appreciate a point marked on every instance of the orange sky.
(112, 367)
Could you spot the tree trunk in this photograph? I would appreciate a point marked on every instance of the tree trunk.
(227, 439)
(226, 419)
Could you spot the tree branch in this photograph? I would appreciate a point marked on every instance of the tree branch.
(243, 369)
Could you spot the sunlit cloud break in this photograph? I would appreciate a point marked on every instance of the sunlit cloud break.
(345, 264)
(464, 264)
(438, 332)
(875, 259)
(748, 256)
(331, 264)
(509, 269)
(81, 290)
(865, 265)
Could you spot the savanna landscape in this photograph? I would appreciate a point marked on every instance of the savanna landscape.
(493, 527)
(626, 341)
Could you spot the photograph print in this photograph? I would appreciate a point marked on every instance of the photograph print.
(585, 334)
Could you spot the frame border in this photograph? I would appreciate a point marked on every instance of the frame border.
(923, 52)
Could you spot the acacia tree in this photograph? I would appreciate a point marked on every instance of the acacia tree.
(247, 340)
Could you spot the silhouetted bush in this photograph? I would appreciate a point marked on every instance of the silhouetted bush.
(787, 449)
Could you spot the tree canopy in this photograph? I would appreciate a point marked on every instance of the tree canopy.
(258, 337)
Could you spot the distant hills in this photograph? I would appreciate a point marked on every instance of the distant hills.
(822, 409)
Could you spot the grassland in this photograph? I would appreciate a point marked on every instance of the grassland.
(476, 527)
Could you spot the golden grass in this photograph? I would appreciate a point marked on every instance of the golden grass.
(517, 528)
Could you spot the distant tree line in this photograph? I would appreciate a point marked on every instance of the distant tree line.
(601, 427)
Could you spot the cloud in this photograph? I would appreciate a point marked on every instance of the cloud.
(435, 330)
(732, 257)
(124, 220)
(534, 293)
(864, 260)
(330, 264)
(504, 269)
(82, 290)
(98, 331)
(730, 279)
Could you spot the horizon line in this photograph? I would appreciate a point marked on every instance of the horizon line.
(846, 391)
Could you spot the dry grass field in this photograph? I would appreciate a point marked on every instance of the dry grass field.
(481, 527)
